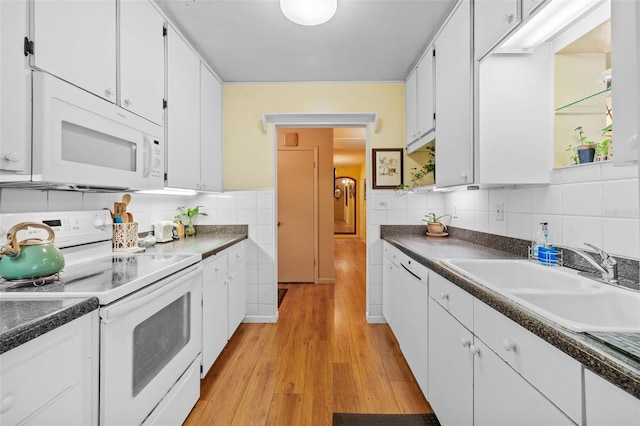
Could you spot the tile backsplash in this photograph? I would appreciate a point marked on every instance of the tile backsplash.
(252, 208)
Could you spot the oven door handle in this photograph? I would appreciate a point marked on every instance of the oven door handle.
(110, 313)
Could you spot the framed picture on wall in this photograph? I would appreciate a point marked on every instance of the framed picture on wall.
(387, 168)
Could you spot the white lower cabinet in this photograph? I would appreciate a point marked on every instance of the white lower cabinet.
(450, 368)
(608, 405)
(486, 370)
(223, 301)
(53, 379)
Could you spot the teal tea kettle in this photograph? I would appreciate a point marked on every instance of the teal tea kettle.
(30, 258)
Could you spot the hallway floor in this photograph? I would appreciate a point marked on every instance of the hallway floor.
(321, 357)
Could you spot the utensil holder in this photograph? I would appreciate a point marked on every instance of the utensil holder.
(125, 236)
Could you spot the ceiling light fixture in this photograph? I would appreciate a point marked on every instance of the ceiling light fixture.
(309, 12)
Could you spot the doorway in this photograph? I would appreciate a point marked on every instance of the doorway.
(344, 206)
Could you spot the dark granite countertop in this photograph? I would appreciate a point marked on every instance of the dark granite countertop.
(208, 241)
(24, 320)
(614, 366)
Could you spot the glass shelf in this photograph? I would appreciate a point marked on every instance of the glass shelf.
(587, 104)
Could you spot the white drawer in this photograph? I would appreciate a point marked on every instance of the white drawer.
(552, 372)
(452, 298)
(236, 255)
(214, 267)
(392, 253)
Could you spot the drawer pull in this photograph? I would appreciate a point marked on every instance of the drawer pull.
(474, 349)
(6, 403)
(465, 342)
(508, 345)
(444, 296)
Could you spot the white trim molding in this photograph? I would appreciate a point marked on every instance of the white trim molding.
(314, 119)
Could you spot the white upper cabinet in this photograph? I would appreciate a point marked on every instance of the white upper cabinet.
(411, 108)
(183, 114)
(454, 100)
(419, 103)
(625, 65)
(142, 60)
(76, 41)
(210, 131)
(15, 91)
(493, 20)
(529, 6)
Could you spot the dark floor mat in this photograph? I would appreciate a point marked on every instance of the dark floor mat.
(345, 419)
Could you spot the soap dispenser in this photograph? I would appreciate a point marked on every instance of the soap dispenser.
(546, 252)
(541, 239)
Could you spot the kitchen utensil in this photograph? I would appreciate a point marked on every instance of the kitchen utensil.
(119, 209)
(163, 231)
(129, 217)
(30, 258)
(126, 199)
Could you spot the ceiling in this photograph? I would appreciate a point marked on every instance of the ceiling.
(252, 41)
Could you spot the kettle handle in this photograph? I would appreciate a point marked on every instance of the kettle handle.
(13, 245)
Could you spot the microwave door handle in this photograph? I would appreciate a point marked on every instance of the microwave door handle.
(148, 157)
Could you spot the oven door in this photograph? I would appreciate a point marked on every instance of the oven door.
(147, 341)
(81, 139)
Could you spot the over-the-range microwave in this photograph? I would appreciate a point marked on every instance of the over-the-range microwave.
(81, 141)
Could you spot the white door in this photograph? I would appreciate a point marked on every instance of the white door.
(297, 176)
(183, 114)
(142, 60)
(76, 41)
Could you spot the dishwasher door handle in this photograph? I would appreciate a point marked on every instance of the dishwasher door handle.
(407, 269)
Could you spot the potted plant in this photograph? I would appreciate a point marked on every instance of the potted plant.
(603, 147)
(417, 173)
(190, 215)
(586, 149)
(434, 224)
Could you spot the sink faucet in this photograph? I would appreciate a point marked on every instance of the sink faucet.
(608, 267)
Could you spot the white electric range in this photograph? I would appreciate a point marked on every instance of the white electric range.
(150, 315)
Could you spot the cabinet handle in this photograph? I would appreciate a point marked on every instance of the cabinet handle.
(463, 176)
(127, 102)
(633, 142)
(444, 296)
(12, 157)
(109, 92)
(465, 342)
(474, 349)
(6, 403)
(508, 345)
(508, 18)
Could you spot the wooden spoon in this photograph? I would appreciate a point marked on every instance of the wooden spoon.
(126, 199)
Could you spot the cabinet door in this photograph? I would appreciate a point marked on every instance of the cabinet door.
(183, 114)
(454, 147)
(76, 41)
(605, 404)
(411, 108)
(210, 131)
(450, 368)
(142, 60)
(503, 397)
(426, 124)
(625, 60)
(493, 20)
(15, 89)
(214, 321)
(237, 291)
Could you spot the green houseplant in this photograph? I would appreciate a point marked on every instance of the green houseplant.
(417, 173)
(435, 226)
(190, 215)
(586, 149)
(602, 147)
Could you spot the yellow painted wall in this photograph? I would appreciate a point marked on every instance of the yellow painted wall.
(248, 151)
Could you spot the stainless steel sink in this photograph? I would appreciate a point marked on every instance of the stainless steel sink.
(559, 294)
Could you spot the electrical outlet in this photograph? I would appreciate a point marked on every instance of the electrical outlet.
(499, 210)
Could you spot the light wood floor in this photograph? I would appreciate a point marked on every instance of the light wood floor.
(321, 357)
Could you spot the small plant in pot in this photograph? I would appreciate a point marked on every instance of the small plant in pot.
(435, 226)
(586, 149)
(190, 215)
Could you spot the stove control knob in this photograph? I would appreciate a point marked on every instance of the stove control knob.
(98, 223)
